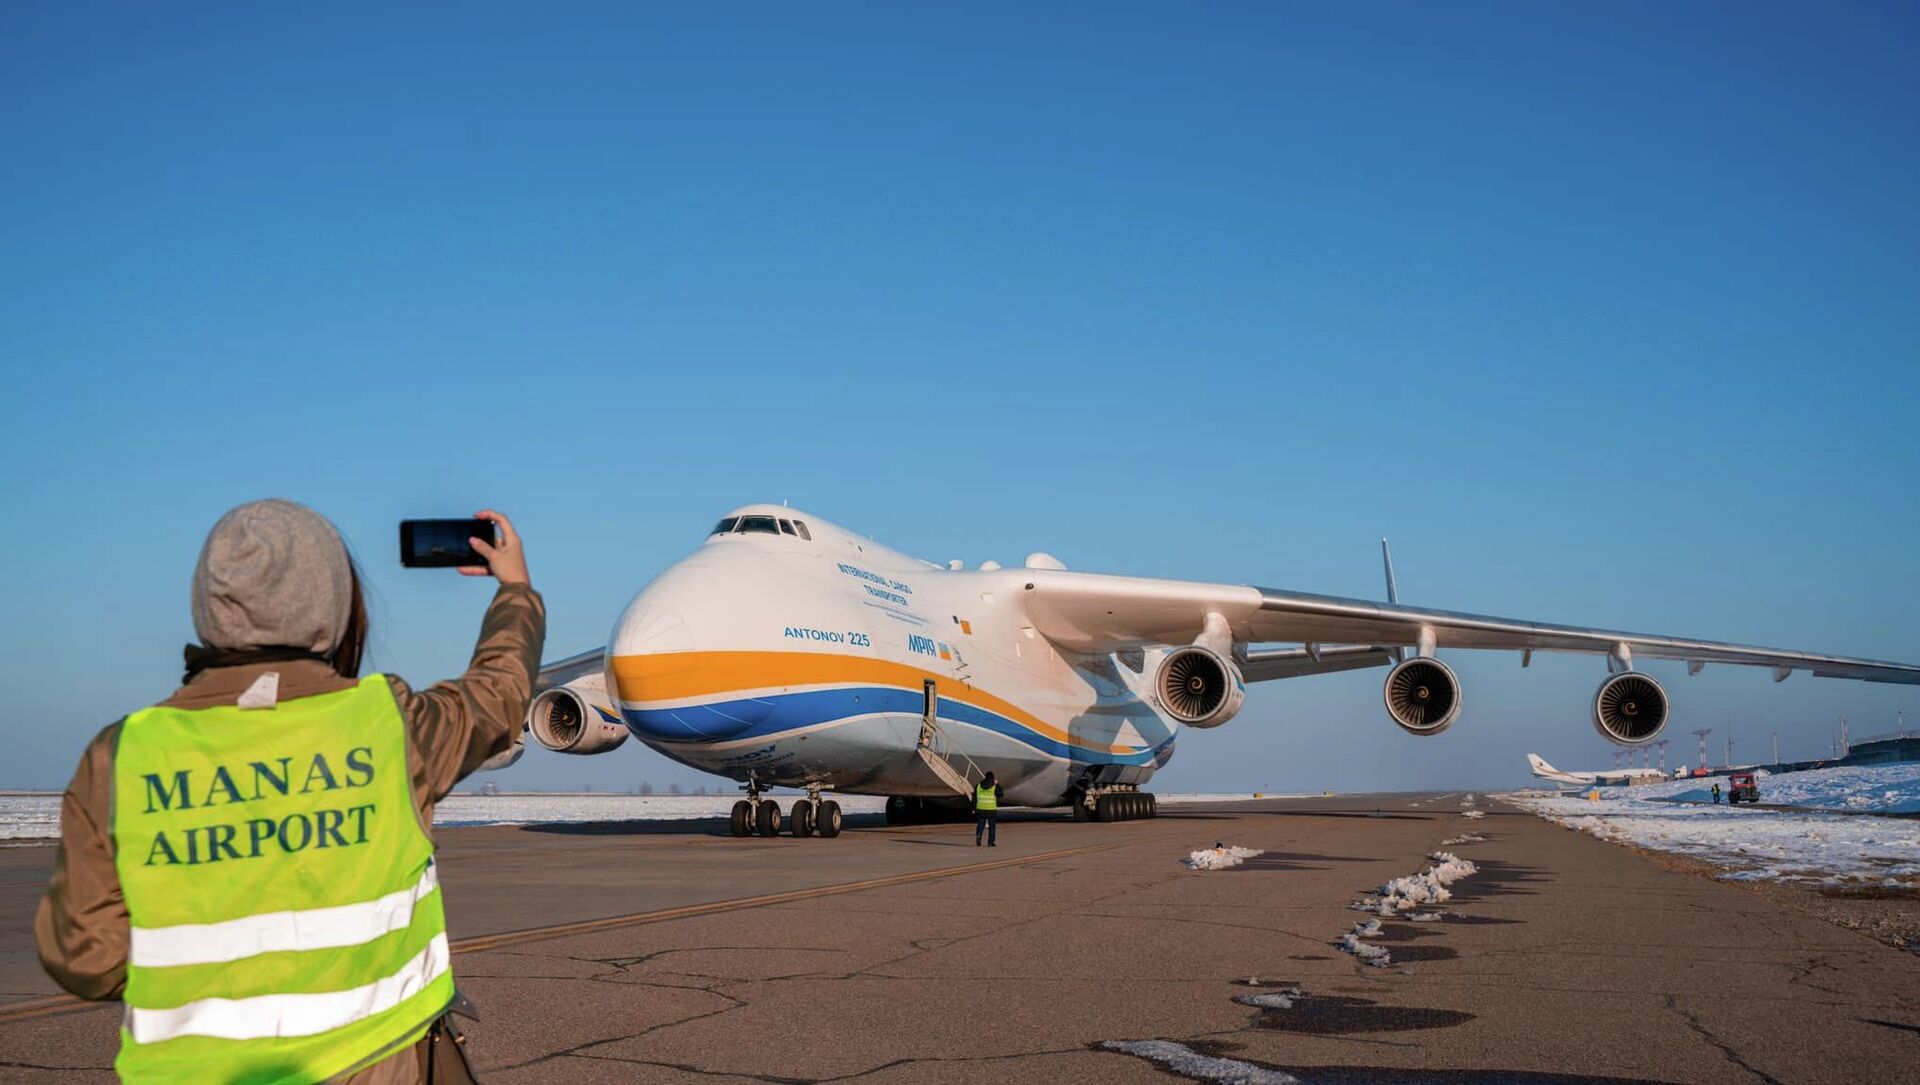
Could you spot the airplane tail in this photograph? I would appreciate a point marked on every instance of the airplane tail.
(1539, 764)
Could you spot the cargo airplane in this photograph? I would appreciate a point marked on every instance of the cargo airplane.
(1627, 777)
(789, 652)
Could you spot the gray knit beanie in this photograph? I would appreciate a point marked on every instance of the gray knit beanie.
(273, 574)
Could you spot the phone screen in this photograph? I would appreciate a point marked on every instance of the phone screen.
(442, 544)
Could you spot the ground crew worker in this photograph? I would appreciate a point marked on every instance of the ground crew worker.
(986, 811)
(248, 864)
(1716, 794)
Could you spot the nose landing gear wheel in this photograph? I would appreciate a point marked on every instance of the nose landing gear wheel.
(742, 819)
(766, 818)
(801, 818)
(827, 819)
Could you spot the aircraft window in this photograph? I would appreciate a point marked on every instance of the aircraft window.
(801, 527)
(725, 525)
(762, 525)
(786, 527)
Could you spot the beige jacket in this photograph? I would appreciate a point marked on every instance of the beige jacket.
(452, 727)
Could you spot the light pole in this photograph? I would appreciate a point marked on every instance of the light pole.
(1702, 734)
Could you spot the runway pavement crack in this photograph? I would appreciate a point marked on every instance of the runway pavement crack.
(945, 1059)
(688, 1068)
(581, 1049)
(1693, 1022)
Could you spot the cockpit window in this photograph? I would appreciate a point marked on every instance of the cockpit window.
(763, 525)
(725, 525)
(801, 527)
(786, 527)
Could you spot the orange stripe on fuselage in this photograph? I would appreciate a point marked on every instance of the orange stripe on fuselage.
(673, 676)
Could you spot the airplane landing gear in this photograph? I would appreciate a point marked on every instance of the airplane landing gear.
(766, 818)
(1126, 805)
(757, 815)
(754, 814)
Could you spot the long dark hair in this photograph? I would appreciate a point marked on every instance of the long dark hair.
(353, 639)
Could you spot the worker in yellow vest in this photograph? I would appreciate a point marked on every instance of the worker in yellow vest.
(986, 811)
(248, 865)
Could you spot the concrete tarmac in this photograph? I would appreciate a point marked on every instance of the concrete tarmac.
(672, 953)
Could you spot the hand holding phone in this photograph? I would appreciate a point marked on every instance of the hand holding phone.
(504, 557)
(484, 545)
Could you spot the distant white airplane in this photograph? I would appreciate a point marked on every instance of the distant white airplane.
(1629, 777)
(790, 652)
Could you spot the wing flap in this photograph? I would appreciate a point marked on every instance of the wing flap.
(1271, 664)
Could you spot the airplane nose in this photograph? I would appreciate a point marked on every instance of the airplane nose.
(669, 690)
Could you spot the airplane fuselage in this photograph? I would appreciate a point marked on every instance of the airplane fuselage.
(813, 660)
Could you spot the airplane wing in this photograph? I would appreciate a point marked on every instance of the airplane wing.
(562, 671)
(1091, 612)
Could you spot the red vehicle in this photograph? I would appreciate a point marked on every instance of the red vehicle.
(1742, 787)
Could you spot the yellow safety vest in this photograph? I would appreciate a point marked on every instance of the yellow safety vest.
(285, 909)
(984, 798)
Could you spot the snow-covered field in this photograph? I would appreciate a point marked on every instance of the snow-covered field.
(1869, 789)
(37, 817)
(1679, 817)
(29, 817)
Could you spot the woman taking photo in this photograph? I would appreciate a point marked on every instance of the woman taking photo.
(249, 863)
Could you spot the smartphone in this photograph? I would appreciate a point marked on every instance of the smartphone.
(442, 544)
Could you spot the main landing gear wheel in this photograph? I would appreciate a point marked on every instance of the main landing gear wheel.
(800, 818)
(826, 819)
(742, 820)
(1124, 806)
(1080, 811)
(766, 818)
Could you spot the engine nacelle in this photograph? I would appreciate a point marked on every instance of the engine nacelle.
(1422, 695)
(563, 720)
(1630, 709)
(1199, 687)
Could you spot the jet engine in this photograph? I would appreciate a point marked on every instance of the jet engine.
(1198, 687)
(1630, 709)
(1422, 695)
(563, 720)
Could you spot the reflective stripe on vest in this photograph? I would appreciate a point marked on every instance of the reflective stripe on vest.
(285, 910)
(984, 798)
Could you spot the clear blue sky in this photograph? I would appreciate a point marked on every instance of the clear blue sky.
(1603, 315)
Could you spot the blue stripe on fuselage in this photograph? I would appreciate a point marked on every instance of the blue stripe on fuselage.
(768, 717)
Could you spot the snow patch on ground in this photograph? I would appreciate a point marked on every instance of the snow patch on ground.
(1463, 838)
(1474, 814)
(1368, 929)
(1427, 887)
(1377, 956)
(1281, 1000)
(1751, 843)
(1424, 917)
(1188, 1063)
(1219, 857)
